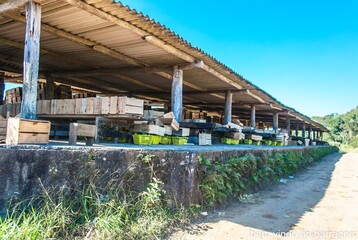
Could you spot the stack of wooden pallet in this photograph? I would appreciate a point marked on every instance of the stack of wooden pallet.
(13, 95)
(84, 95)
(91, 106)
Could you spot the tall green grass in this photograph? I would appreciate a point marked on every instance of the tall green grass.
(88, 214)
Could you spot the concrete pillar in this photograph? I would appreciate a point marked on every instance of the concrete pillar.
(50, 88)
(2, 87)
(177, 93)
(304, 130)
(253, 116)
(275, 121)
(31, 60)
(228, 107)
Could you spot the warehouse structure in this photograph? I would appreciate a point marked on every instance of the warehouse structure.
(107, 48)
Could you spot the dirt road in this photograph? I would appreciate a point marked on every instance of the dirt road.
(318, 203)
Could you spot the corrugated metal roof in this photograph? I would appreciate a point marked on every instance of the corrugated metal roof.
(78, 36)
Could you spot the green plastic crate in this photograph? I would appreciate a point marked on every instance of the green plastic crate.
(165, 140)
(179, 140)
(142, 139)
(248, 141)
(257, 143)
(156, 140)
(226, 140)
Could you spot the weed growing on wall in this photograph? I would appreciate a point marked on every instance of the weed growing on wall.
(94, 213)
(237, 175)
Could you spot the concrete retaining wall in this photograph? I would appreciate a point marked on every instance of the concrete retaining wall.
(26, 170)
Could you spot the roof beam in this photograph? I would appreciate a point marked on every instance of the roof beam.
(106, 16)
(80, 40)
(44, 52)
(12, 5)
(186, 57)
(100, 48)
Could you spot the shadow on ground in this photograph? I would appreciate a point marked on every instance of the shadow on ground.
(278, 208)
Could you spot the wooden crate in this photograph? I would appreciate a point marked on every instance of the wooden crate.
(234, 135)
(254, 137)
(24, 131)
(150, 129)
(130, 106)
(3, 129)
(204, 139)
(83, 130)
(91, 106)
(168, 119)
(44, 107)
(182, 132)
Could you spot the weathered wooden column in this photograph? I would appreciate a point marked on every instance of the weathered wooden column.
(297, 129)
(177, 93)
(253, 116)
(309, 132)
(2, 87)
(303, 130)
(288, 126)
(228, 107)
(31, 60)
(314, 135)
(275, 121)
(50, 88)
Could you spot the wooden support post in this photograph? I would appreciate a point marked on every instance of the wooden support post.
(50, 88)
(31, 60)
(275, 121)
(309, 132)
(2, 87)
(177, 93)
(296, 129)
(288, 126)
(253, 116)
(98, 128)
(228, 107)
(314, 135)
(303, 130)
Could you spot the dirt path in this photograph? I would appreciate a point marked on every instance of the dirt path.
(319, 203)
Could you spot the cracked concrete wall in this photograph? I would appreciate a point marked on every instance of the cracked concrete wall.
(24, 171)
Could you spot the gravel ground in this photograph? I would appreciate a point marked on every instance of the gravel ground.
(319, 203)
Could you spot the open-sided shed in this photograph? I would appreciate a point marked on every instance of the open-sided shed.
(104, 46)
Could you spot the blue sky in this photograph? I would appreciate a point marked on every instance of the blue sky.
(304, 53)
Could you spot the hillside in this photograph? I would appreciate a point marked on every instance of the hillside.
(344, 127)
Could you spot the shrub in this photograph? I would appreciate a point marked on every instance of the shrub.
(237, 175)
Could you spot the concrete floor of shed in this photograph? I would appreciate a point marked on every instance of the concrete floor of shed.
(126, 146)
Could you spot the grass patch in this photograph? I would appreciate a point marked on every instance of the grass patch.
(236, 176)
(114, 212)
(91, 215)
(348, 149)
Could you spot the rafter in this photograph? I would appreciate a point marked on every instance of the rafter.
(44, 52)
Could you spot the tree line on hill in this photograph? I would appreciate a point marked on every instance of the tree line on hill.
(343, 127)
